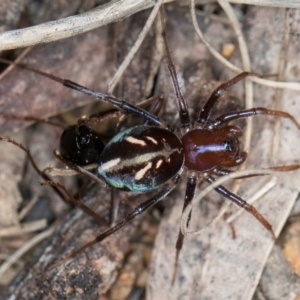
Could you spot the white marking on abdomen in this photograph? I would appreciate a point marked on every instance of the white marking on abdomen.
(158, 164)
(138, 160)
(110, 164)
(152, 140)
(135, 141)
(140, 174)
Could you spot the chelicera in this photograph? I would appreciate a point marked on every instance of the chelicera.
(153, 157)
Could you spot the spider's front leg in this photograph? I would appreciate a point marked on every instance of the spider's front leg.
(205, 112)
(223, 119)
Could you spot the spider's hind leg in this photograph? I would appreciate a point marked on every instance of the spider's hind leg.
(189, 195)
(163, 192)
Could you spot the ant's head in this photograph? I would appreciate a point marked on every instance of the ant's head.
(81, 145)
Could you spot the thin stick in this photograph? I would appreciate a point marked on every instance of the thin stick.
(113, 11)
(247, 66)
(23, 228)
(270, 83)
(18, 59)
(278, 92)
(261, 192)
(248, 84)
(26, 247)
(27, 208)
(211, 187)
(67, 172)
(100, 16)
(112, 84)
(77, 203)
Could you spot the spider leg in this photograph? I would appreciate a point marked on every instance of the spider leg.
(252, 112)
(183, 111)
(103, 97)
(76, 202)
(223, 172)
(157, 106)
(285, 168)
(57, 187)
(208, 106)
(242, 203)
(158, 100)
(164, 191)
(189, 195)
(30, 118)
(96, 118)
(112, 100)
(34, 165)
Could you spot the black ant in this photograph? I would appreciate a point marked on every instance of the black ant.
(145, 158)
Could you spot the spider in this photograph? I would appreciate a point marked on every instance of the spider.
(146, 158)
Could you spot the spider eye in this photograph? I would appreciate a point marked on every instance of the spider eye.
(228, 144)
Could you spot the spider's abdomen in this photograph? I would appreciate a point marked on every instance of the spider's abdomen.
(205, 149)
(141, 159)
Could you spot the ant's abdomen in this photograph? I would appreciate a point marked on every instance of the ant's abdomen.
(141, 159)
(205, 149)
